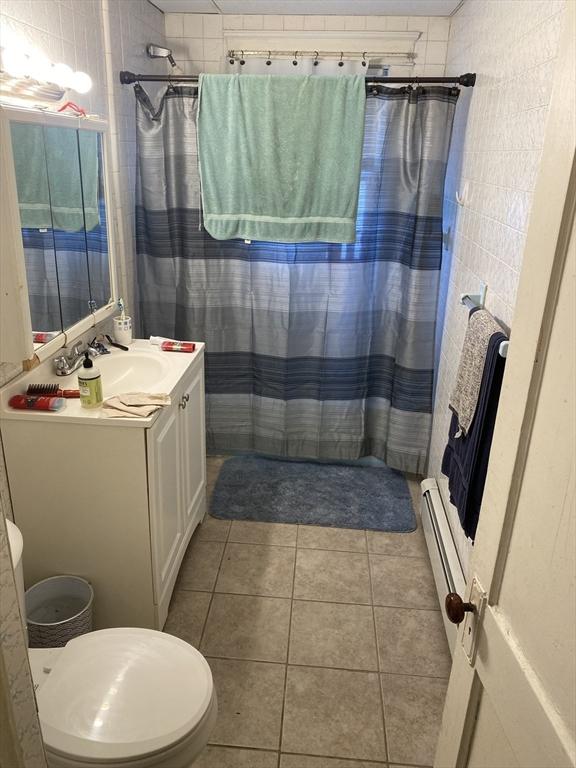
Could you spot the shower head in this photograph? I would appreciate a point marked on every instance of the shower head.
(159, 52)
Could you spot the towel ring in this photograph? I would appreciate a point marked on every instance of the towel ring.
(295, 62)
(364, 59)
(341, 63)
(268, 61)
(316, 59)
(242, 61)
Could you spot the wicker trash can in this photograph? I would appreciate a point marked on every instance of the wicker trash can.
(57, 610)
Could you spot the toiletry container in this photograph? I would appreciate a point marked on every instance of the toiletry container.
(90, 384)
(120, 698)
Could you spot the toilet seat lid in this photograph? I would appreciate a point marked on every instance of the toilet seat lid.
(122, 693)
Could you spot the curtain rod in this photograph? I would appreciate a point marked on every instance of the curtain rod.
(467, 80)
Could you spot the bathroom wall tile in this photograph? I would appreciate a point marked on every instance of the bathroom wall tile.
(314, 22)
(317, 537)
(335, 23)
(250, 696)
(246, 627)
(230, 757)
(253, 569)
(413, 712)
(436, 52)
(354, 23)
(174, 24)
(439, 29)
(212, 25)
(193, 26)
(232, 21)
(402, 582)
(326, 710)
(412, 642)
(187, 615)
(253, 21)
(273, 22)
(248, 532)
(293, 22)
(333, 635)
(419, 24)
(338, 577)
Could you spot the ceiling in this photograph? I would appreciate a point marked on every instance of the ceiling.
(317, 7)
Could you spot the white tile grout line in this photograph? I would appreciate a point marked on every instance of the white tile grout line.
(313, 599)
(381, 694)
(287, 652)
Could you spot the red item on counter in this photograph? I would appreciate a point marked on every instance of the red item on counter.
(178, 346)
(29, 402)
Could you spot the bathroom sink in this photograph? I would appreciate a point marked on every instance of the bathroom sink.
(132, 371)
(143, 368)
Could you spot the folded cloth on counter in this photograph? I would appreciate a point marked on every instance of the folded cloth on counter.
(481, 327)
(134, 405)
(465, 460)
(280, 156)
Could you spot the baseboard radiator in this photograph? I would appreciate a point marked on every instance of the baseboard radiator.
(446, 566)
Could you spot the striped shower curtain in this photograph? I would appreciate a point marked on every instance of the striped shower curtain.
(314, 350)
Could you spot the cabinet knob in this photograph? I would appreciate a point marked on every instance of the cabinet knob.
(456, 608)
(183, 401)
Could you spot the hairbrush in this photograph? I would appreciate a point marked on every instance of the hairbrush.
(51, 390)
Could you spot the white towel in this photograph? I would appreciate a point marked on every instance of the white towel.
(134, 405)
(481, 327)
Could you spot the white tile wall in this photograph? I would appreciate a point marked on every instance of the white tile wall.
(496, 146)
(71, 31)
(198, 40)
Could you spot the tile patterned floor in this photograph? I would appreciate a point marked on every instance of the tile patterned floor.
(326, 645)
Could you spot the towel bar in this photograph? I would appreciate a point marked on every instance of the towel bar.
(472, 302)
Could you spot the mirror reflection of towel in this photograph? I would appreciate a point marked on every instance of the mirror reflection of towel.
(55, 189)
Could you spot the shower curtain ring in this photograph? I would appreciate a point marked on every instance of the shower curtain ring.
(316, 58)
(364, 59)
(341, 63)
(295, 62)
(242, 59)
(268, 60)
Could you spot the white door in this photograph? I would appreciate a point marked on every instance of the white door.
(165, 491)
(193, 452)
(512, 703)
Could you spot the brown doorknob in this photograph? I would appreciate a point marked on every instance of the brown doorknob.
(456, 608)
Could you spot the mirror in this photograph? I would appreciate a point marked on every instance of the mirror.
(60, 188)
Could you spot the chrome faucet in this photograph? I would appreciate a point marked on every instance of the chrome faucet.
(66, 364)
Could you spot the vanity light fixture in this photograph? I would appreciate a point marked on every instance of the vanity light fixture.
(28, 74)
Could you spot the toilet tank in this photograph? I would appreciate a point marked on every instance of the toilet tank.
(16, 546)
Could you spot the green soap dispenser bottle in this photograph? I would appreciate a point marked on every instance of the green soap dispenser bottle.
(90, 384)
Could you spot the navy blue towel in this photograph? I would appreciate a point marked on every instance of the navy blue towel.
(465, 460)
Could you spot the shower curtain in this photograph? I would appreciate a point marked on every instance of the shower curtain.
(314, 350)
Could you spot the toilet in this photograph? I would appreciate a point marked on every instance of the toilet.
(120, 698)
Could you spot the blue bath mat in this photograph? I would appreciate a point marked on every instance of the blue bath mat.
(333, 495)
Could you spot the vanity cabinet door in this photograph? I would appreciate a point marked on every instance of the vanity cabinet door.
(193, 452)
(165, 483)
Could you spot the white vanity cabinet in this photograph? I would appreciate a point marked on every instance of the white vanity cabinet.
(113, 500)
(176, 484)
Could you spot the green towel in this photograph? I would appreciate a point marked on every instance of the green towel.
(55, 191)
(280, 156)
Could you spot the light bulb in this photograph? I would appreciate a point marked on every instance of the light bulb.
(81, 82)
(62, 75)
(15, 62)
(39, 67)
